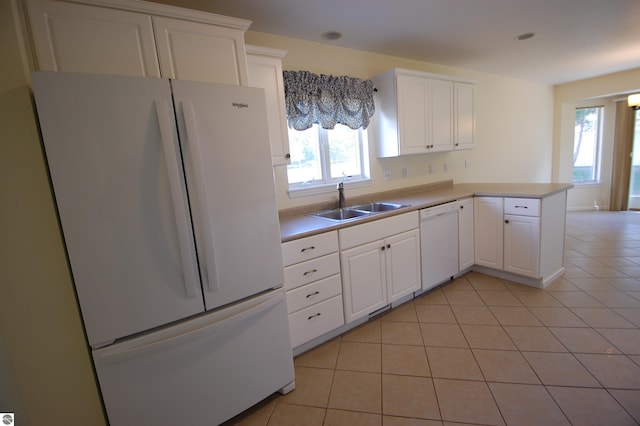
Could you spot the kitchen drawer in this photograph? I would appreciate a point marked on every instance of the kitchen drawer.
(378, 229)
(307, 295)
(522, 206)
(316, 320)
(309, 247)
(311, 270)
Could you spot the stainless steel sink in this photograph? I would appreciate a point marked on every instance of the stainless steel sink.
(341, 214)
(355, 212)
(378, 207)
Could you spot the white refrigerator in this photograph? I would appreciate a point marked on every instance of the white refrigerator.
(166, 200)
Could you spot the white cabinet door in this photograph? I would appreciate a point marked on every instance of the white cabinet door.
(265, 71)
(488, 224)
(412, 114)
(403, 264)
(364, 279)
(465, 123)
(79, 38)
(440, 116)
(466, 256)
(200, 52)
(522, 245)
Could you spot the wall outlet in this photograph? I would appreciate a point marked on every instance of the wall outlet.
(430, 168)
(405, 172)
(467, 164)
(445, 167)
(387, 175)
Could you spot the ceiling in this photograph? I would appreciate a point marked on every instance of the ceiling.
(574, 39)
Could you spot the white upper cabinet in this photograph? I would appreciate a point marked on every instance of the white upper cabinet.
(419, 113)
(265, 71)
(82, 38)
(200, 52)
(137, 38)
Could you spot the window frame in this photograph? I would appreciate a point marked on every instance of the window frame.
(597, 150)
(327, 183)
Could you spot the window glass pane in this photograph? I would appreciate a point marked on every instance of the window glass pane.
(586, 144)
(344, 152)
(305, 156)
(634, 189)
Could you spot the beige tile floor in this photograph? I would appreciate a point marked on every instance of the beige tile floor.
(481, 350)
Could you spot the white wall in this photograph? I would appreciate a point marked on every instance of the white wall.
(594, 91)
(45, 370)
(513, 122)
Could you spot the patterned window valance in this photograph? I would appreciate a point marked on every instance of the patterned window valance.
(327, 100)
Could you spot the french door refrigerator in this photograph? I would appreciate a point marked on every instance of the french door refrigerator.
(166, 199)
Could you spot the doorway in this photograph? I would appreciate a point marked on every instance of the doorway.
(633, 202)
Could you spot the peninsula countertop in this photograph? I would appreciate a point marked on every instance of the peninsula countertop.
(296, 223)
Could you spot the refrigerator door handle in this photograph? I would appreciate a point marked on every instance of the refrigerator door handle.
(115, 354)
(180, 208)
(202, 197)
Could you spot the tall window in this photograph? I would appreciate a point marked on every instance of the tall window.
(321, 158)
(586, 145)
(634, 183)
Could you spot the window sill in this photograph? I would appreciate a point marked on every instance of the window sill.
(325, 189)
(587, 183)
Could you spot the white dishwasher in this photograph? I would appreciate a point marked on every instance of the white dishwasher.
(439, 244)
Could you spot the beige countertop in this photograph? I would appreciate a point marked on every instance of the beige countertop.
(296, 223)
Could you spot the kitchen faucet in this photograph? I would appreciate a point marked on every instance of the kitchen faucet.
(341, 200)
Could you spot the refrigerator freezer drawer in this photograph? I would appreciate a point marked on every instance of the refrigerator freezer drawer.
(200, 372)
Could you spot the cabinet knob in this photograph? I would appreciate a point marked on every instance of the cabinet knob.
(287, 156)
(383, 248)
(506, 221)
(388, 246)
(462, 207)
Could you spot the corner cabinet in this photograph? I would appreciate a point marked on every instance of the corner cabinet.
(423, 113)
(380, 263)
(137, 38)
(465, 115)
(265, 71)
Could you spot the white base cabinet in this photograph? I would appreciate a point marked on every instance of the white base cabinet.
(313, 285)
(380, 263)
(466, 250)
(521, 236)
(489, 229)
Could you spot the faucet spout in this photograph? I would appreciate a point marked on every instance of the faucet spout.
(341, 200)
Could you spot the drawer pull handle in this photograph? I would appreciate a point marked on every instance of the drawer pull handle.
(309, 272)
(306, 249)
(314, 315)
(315, 293)
(522, 207)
